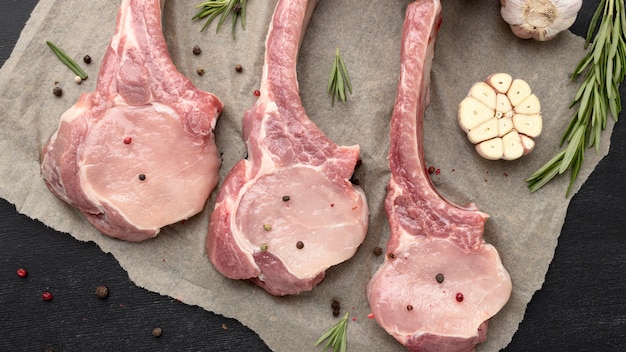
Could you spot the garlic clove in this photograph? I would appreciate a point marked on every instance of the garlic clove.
(484, 131)
(503, 106)
(529, 125)
(491, 149)
(529, 106)
(500, 82)
(482, 92)
(527, 143)
(472, 113)
(505, 125)
(519, 91)
(512, 146)
(539, 19)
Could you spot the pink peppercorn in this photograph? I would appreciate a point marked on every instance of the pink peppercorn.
(21, 272)
(46, 296)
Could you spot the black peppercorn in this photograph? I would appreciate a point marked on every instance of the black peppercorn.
(439, 278)
(286, 198)
(299, 244)
(102, 292)
(377, 251)
(336, 307)
(57, 91)
(197, 50)
(141, 177)
(87, 59)
(238, 68)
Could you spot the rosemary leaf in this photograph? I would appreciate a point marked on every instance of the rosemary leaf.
(598, 96)
(339, 79)
(210, 10)
(65, 59)
(336, 336)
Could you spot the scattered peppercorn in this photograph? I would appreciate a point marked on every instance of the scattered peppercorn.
(238, 68)
(437, 172)
(78, 80)
(156, 332)
(267, 227)
(431, 169)
(439, 278)
(128, 140)
(87, 59)
(409, 307)
(264, 247)
(141, 177)
(224, 326)
(257, 93)
(46, 296)
(286, 198)
(102, 292)
(459, 297)
(336, 306)
(57, 91)
(377, 251)
(299, 244)
(200, 71)
(21, 272)
(391, 256)
(197, 50)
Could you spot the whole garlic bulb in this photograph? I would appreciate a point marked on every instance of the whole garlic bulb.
(539, 19)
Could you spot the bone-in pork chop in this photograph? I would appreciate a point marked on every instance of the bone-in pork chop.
(138, 153)
(287, 212)
(440, 282)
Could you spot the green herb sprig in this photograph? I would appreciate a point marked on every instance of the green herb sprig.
(213, 8)
(71, 64)
(339, 79)
(336, 336)
(604, 67)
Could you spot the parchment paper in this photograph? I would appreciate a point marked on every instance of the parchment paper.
(473, 43)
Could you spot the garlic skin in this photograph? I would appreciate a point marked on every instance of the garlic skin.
(539, 19)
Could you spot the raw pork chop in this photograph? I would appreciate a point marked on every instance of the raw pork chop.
(139, 152)
(439, 283)
(287, 212)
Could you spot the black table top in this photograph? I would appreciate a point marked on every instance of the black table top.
(581, 307)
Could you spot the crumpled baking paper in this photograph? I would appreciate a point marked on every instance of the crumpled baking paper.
(473, 42)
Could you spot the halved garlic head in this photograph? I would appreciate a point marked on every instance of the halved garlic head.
(539, 19)
(501, 116)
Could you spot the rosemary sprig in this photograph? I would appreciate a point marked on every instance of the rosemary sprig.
(336, 336)
(213, 8)
(71, 64)
(339, 79)
(604, 68)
